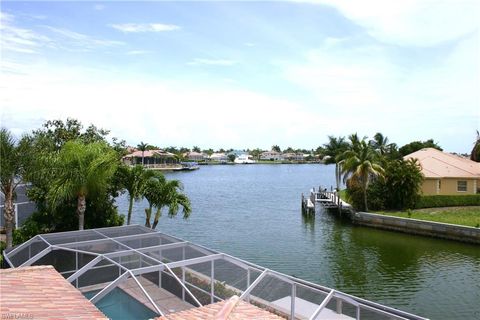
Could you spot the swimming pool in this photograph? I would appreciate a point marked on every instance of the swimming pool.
(120, 305)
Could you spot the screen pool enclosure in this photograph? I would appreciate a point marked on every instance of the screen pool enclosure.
(167, 274)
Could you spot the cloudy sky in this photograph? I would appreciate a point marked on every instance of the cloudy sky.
(245, 74)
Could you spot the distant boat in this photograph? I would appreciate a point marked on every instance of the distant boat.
(244, 159)
(189, 166)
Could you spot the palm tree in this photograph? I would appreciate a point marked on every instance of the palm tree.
(160, 193)
(475, 154)
(82, 170)
(142, 147)
(10, 177)
(380, 143)
(332, 153)
(133, 179)
(361, 165)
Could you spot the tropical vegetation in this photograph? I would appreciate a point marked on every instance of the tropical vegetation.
(74, 174)
(161, 193)
(374, 172)
(79, 170)
(10, 177)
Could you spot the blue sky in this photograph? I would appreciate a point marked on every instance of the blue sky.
(245, 74)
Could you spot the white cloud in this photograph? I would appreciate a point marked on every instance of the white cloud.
(22, 40)
(98, 7)
(363, 86)
(212, 62)
(154, 111)
(19, 39)
(145, 27)
(71, 38)
(411, 22)
(138, 52)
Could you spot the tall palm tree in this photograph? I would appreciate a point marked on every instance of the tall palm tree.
(475, 154)
(10, 177)
(161, 193)
(380, 143)
(142, 147)
(361, 165)
(332, 153)
(133, 179)
(82, 170)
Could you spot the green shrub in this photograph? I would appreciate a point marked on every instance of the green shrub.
(448, 201)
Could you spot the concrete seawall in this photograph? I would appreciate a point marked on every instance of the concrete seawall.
(421, 227)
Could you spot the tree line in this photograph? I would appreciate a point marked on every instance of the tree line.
(374, 171)
(74, 175)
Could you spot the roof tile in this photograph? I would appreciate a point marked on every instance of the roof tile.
(40, 292)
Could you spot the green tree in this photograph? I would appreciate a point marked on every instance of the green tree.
(403, 180)
(332, 153)
(142, 147)
(11, 172)
(196, 149)
(134, 180)
(209, 152)
(256, 153)
(231, 157)
(475, 154)
(81, 170)
(161, 193)
(361, 163)
(418, 145)
(276, 148)
(380, 143)
(58, 132)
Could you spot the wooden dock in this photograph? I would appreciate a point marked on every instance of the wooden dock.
(327, 199)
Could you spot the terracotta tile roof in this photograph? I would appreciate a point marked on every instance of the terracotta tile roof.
(438, 164)
(149, 154)
(42, 293)
(222, 311)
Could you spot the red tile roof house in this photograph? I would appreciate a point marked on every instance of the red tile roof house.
(447, 174)
(152, 158)
(40, 292)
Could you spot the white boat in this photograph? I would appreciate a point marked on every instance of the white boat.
(244, 159)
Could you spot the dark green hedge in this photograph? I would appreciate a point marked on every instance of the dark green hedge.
(448, 201)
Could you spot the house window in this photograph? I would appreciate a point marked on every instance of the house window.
(462, 186)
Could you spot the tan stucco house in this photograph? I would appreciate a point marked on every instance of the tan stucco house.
(447, 174)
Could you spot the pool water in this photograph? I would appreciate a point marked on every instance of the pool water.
(120, 305)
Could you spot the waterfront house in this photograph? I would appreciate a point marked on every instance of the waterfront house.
(293, 156)
(272, 156)
(196, 156)
(151, 158)
(447, 174)
(219, 157)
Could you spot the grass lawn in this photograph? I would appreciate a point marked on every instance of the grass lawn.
(467, 216)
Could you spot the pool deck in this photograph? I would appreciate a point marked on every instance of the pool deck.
(166, 301)
(304, 309)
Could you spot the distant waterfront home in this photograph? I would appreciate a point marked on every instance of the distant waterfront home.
(447, 174)
(151, 158)
(219, 157)
(293, 156)
(272, 156)
(196, 156)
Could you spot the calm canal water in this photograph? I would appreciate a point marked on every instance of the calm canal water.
(253, 212)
